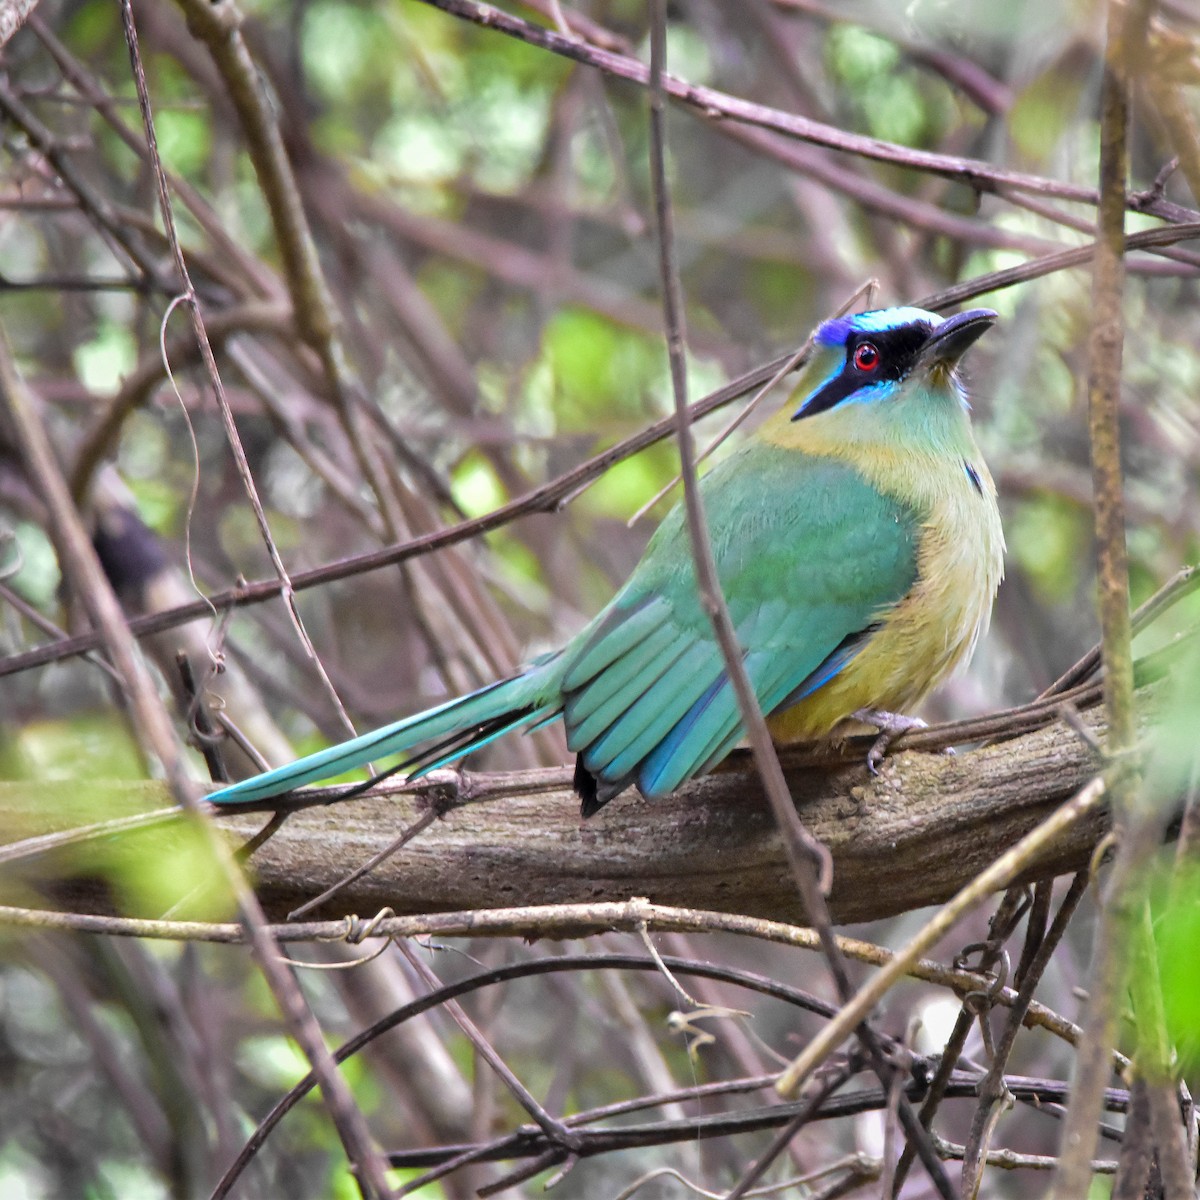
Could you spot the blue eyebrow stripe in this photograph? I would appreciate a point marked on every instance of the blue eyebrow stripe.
(834, 333)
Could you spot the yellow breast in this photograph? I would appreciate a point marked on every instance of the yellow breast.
(934, 629)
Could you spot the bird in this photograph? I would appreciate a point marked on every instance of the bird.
(858, 544)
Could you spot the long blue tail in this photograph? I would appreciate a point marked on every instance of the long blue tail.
(445, 733)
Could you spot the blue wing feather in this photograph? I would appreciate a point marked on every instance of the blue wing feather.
(809, 556)
(799, 618)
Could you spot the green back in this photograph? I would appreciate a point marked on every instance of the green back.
(809, 556)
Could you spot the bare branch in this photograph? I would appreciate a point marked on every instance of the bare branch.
(912, 837)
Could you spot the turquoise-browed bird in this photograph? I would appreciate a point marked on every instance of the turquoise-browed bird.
(858, 543)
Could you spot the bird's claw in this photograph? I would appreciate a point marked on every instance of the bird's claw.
(875, 754)
(890, 725)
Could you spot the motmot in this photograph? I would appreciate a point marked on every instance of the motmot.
(858, 544)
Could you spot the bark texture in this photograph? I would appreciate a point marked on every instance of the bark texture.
(907, 838)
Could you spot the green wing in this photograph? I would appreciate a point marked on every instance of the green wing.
(809, 556)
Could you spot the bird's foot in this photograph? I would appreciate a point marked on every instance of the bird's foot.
(890, 725)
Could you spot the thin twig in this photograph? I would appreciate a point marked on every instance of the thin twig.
(1000, 928)
(1125, 46)
(549, 496)
(780, 1142)
(1043, 1094)
(810, 863)
(991, 1089)
(551, 920)
(759, 396)
(520, 1144)
(502, 1148)
(551, 1126)
(344, 1112)
(1137, 1147)
(97, 207)
(981, 176)
(219, 26)
(423, 822)
(996, 876)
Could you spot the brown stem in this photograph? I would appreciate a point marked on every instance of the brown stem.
(1126, 38)
(991, 1090)
(219, 27)
(547, 497)
(975, 173)
(809, 860)
(153, 720)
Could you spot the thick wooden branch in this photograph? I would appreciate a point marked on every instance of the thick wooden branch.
(907, 838)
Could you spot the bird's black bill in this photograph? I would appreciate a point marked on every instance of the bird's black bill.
(956, 335)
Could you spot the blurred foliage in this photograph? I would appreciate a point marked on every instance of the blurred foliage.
(481, 214)
(1178, 932)
(1174, 772)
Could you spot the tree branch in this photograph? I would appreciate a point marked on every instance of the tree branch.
(909, 838)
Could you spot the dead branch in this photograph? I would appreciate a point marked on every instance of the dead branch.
(926, 825)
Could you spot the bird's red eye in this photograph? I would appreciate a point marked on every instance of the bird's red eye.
(866, 356)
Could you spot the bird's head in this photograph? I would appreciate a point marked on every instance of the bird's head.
(871, 358)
